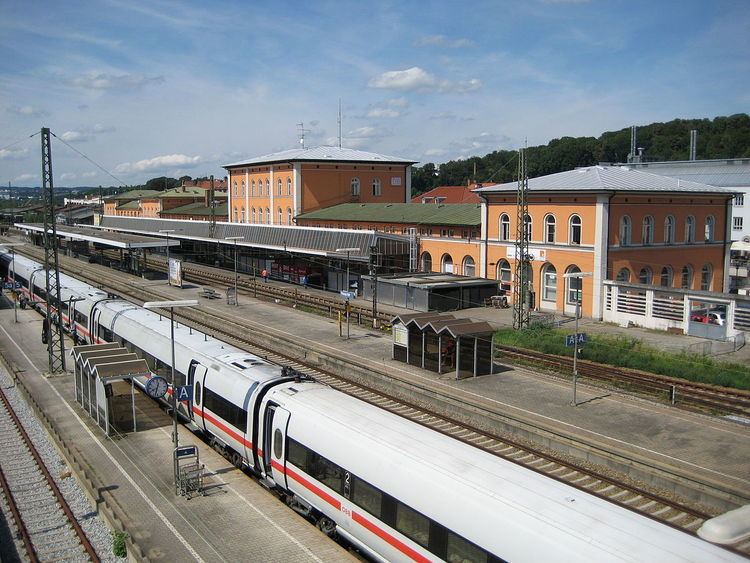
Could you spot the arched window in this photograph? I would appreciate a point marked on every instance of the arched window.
(574, 290)
(446, 264)
(686, 281)
(288, 215)
(623, 275)
(376, 188)
(355, 186)
(669, 229)
(549, 228)
(268, 187)
(667, 276)
(236, 215)
(242, 215)
(690, 229)
(626, 230)
(280, 214)
(504, 275)
(709, 229)
(234, 188)
(289, 187)
(268, 216)
(279, 187)
(647, 234)
(549, 283)
(575, 230)
(468, 267)
(243, 189)
(426, 262)
(504, 227)
(707, 274)
(527, 225)
(252, 215)
(645, 276)
(252, 188)
(260, 215)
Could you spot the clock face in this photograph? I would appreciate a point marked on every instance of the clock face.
(156, 387)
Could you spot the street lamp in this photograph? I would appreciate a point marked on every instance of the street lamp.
(579, 295)
(347, 250)
(166, 232)
(235, 239)
(12, 246)
(171, 305)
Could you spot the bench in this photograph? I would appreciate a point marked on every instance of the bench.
(210, 293)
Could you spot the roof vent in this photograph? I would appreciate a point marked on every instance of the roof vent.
(389, 205)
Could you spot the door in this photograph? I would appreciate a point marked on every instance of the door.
(197, 380)
(275, 425)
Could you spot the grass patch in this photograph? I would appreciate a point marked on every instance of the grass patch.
(631, 353)
(119, 549)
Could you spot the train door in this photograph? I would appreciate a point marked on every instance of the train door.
(94, 321)
(197, 380)
(275, 422)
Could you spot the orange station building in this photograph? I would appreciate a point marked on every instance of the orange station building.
(275, 188)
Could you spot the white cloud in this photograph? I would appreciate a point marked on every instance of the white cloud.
(383, 112)
(13, 153)
(107, 81)
(397, 102)
(73, 137)
(25, 177)
(416, 78)
(443, 41)
(159, 163)
(67, 176)
(435, 152)
(99, 128)
(29, 111)
(88, 174)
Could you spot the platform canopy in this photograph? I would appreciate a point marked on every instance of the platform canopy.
(105, 238)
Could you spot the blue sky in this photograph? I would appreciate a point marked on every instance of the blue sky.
(147, 88)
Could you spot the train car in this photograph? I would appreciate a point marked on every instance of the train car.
(402, 492)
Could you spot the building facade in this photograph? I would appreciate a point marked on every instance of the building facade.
(274, 189)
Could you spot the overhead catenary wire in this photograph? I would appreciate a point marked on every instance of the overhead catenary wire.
(107, 172)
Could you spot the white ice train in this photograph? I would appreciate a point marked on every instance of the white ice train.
(395, 489)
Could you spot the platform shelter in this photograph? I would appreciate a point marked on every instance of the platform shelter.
(100, 386)
(444, 344)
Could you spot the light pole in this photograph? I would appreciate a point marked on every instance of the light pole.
(579, 295)
(235, 239)
(12, 246)
(171, 305)
(347, 250)
(166, 232)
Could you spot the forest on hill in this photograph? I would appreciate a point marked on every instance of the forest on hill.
(721, 137)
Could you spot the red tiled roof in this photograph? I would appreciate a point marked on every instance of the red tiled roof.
(448, 194)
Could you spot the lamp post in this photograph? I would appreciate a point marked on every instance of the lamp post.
(166, 232)
(171, 305)
(347, 250)
(579, 295)
(235, 239)
(12, 246)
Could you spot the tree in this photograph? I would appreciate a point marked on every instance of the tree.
(161, 183)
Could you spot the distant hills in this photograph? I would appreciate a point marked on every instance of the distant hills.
(721, 137)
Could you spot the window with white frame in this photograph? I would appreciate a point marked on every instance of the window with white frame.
(355, 186)
(288, 186)
(504, 274)
(739, 200)
(666, 276)
(623, 275)
(260, 215)
(426, 262)
(575, 229)
(690, 229)
(280, 213)
(242, 215)
(288, 215)
(549, 283)
(469, 268)
(279, 187)
(549, 229)
(376, 187)
(574, 286)
(242, 193)
(446, 264)
(626, 230)
(669, 229)
(268, 216)
(708, 233)
(646, 276)
(737, 223)
(648, 230)
(527, 226)
(252, 188)
(504, 227)
(268, 187)
(707, 273)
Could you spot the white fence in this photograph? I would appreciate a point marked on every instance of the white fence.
(676, 309)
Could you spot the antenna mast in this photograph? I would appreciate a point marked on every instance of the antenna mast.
(521, 289)
(301, 133)
(339, 122)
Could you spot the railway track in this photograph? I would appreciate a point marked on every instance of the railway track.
(46, 526)
(606, 485)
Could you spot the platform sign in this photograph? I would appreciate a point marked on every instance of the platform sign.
(400, 335)
(184, 451)
(348, 294)
(175, 272)
(184, 393)
(570, 339)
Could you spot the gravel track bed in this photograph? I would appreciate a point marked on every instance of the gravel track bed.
(96, 529)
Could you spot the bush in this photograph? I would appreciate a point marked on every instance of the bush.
(630, 353)
(119, 549)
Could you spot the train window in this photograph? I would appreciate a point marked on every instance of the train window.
(197, 393)
(412, 524)
(277, 443)
(81, 318)
(461, 551)
(326, 472)
(367, 497)
(296, 453)
(230, 412)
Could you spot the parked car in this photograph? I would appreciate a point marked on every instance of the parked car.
(699, 317)
(717, 318)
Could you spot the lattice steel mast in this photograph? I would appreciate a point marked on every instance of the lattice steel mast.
(521, 283)
(212, 205)
(55, 337)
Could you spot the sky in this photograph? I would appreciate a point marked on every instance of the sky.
(147, 88)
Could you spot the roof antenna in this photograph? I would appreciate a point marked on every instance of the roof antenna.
(301, 133)
(339, 122)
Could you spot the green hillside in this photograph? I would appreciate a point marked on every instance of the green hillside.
(721, 137)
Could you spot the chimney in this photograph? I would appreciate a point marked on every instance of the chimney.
(693, 143)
